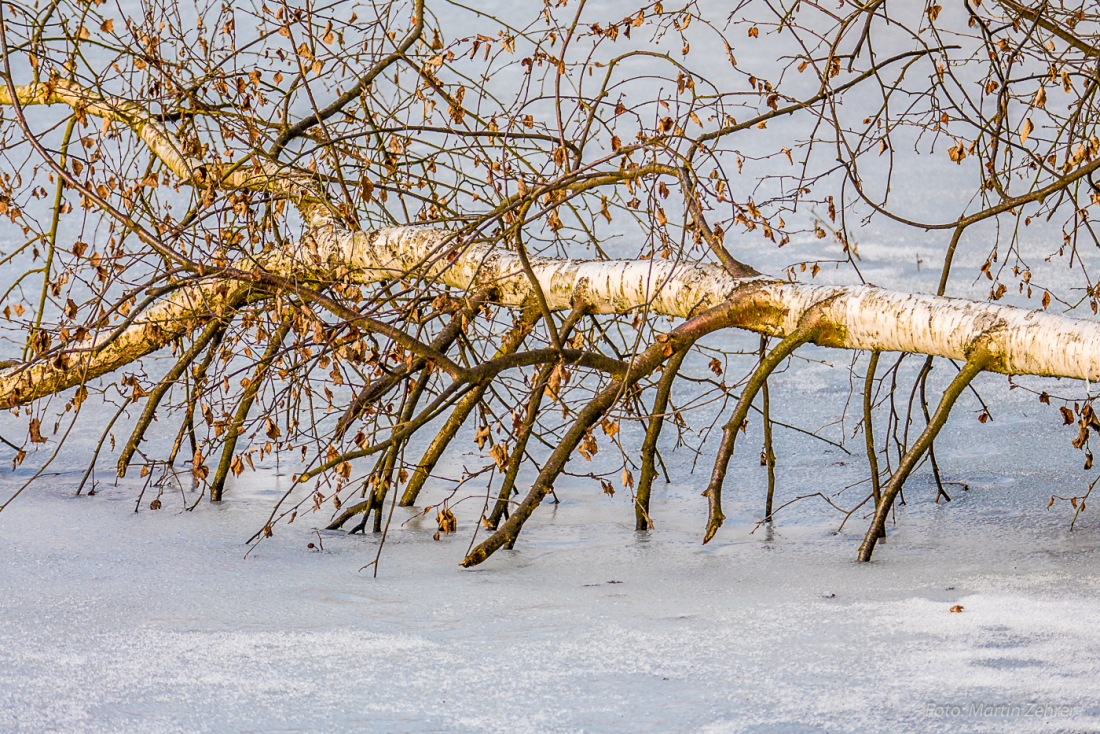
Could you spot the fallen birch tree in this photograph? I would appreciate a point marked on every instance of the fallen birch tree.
(397, 325)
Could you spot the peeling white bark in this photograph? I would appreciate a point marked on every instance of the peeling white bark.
(255, 174)
(866, 317)
(1023, 342)
(161, 324)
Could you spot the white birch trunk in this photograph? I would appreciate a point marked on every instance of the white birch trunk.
(863, 317)
(860, 317)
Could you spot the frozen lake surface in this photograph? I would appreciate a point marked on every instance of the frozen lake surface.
(155, 622)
